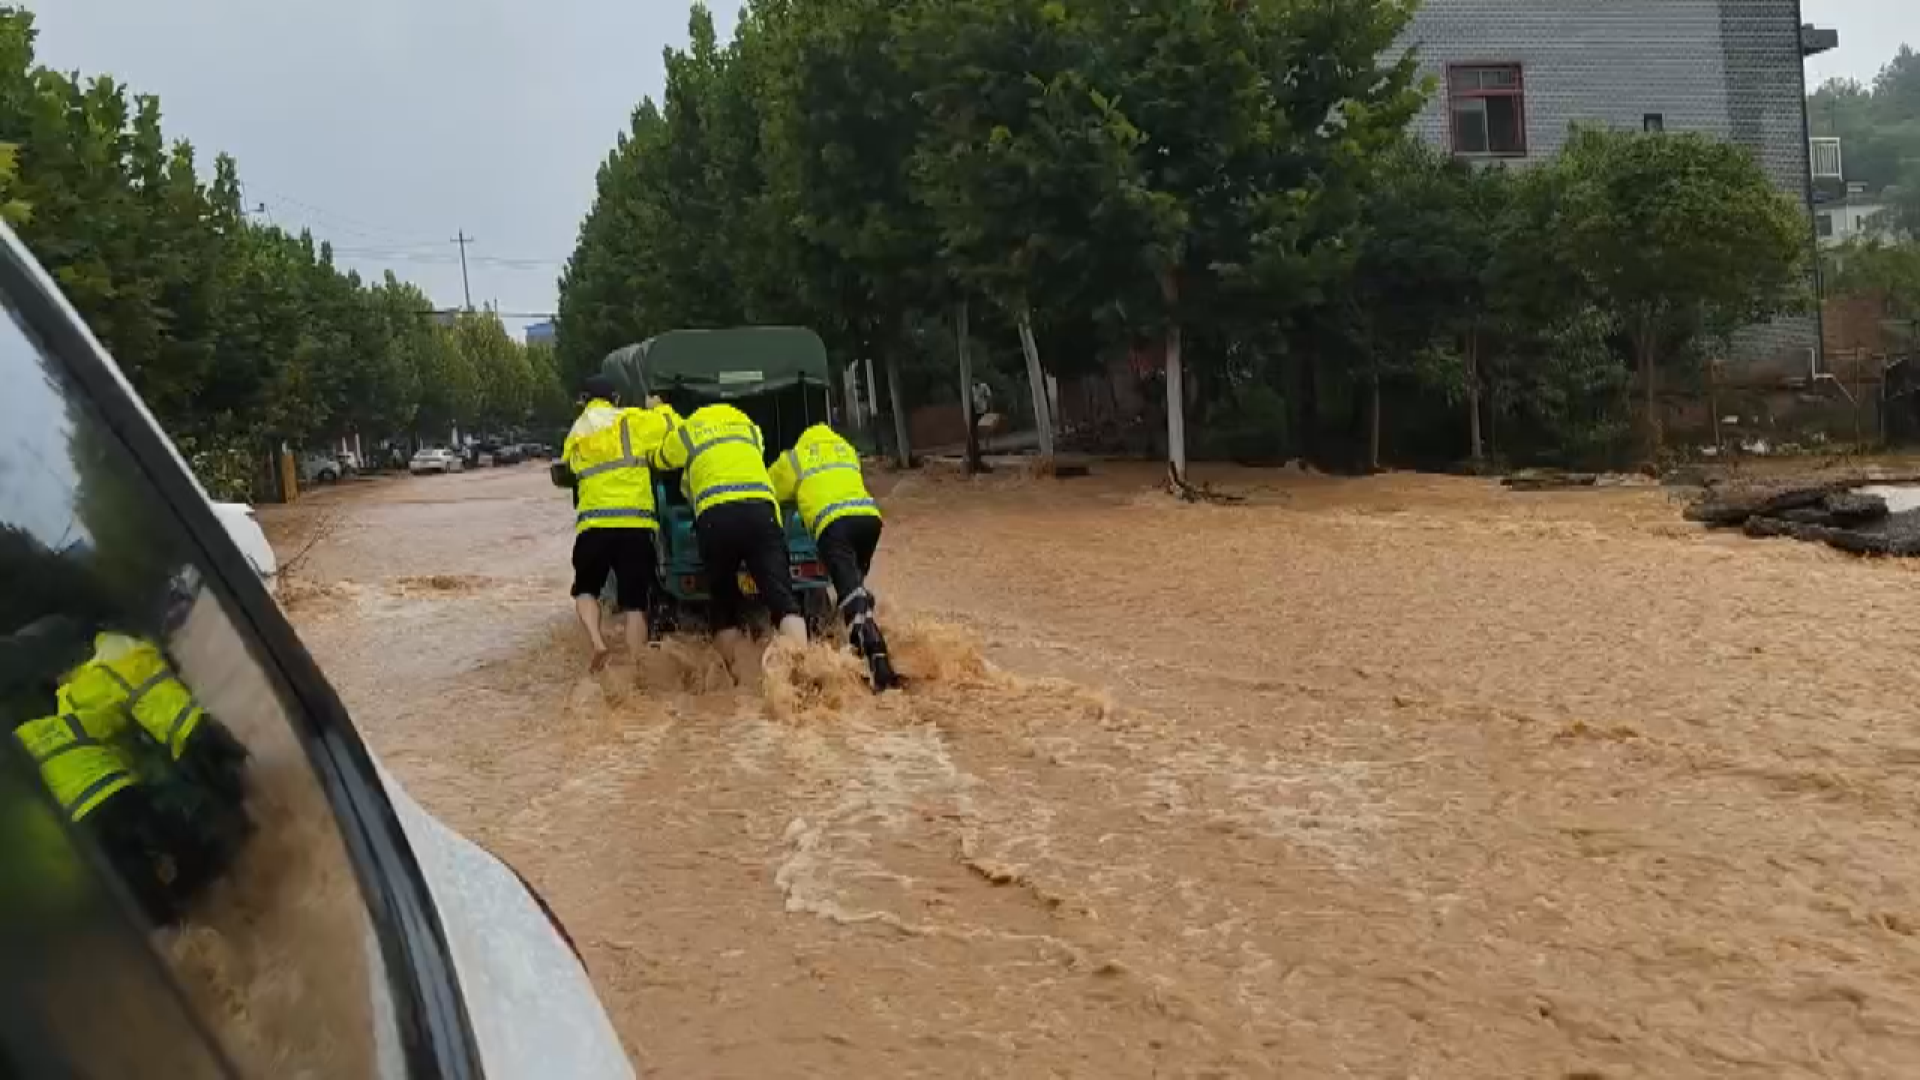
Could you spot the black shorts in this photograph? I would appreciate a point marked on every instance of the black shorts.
(626, 553)
(745, 534)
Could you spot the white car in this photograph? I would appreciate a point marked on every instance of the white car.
(435, 460)
(367, 939)
(320, 469)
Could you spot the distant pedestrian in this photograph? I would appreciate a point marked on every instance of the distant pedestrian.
(982, 400)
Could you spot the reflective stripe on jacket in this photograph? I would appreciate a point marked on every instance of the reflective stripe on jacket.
(77, 764)
(608, 451)
(129, 678)
(724, 456)
(822, 475)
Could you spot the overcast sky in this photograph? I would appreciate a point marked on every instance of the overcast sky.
(388, 126)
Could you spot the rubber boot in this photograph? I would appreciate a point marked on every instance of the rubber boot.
(872, 647)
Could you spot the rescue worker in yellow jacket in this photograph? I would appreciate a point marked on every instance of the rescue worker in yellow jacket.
(198, 775)
(736, 518)
(821, 474)
(615, 520)
(84, 762)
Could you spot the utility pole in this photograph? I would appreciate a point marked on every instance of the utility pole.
(466, 287)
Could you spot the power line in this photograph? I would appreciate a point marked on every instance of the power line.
(345, 223)
(447, 258)
(393, 244)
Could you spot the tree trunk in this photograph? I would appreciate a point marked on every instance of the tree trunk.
(1648, 372)
(1307, 437)
(896, 397)
(1473, 396)
(1493, 419)
(966, 390)
(1176, 381)
(1037, 381)
(1373, 424)
(1713, 401)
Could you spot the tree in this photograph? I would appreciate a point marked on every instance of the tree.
(12, 211)
(844, 120)
(1422, 301)
(238, 336)
(1259, 119)
(1678, 237)
(1026, 167)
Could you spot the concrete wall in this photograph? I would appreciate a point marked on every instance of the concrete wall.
(1726, 68)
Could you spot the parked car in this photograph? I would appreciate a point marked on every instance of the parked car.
(320, 468)
(365, 938)
(435, 460)
(349, 461)
(509, 454)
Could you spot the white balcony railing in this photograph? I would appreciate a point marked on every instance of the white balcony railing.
(1824, 157)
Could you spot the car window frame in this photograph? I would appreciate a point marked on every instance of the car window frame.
(435, 1032)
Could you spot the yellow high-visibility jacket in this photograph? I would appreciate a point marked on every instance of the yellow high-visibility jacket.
(723, 454)
(822, 475)
(608, 451)
(78, 763)
(130, 679)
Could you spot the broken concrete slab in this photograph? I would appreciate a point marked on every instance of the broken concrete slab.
(1854, 508)
(1548, 480)
(1725, 507)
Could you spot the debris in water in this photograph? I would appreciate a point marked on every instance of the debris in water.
(1833, 513)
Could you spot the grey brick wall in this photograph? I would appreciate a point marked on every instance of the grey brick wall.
(1726, 68)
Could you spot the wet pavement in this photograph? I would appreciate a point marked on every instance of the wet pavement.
(1384, 778)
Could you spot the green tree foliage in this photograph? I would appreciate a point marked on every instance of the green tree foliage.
(1027, 168)
(238, 336)
(1226, 182)
(685, 228)
(1887, 270)
(1678, 237)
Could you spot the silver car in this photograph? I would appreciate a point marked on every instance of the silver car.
(248, 892)
(433, 460)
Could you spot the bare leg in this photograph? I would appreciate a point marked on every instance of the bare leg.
(728, 642)
(636, 636)
(588, 608)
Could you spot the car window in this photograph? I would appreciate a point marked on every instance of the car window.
(168, 754)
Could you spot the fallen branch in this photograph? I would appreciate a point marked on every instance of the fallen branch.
(327, 522)
(1192, 493)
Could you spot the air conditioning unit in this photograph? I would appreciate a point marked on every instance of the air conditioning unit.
(1823, 155)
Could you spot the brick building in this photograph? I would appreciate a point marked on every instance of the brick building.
(1513, 76)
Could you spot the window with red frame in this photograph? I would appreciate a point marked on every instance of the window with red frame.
(1489, 110)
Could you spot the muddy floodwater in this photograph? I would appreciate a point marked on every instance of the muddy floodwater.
(1401, 777)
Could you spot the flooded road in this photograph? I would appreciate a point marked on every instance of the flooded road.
(1387, 778)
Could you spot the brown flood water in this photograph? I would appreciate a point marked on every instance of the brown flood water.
(1387, 778)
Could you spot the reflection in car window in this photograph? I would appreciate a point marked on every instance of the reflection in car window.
(165, 745)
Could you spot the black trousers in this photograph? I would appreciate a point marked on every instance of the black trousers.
(744, 534)
(134, 837)
(847, 547)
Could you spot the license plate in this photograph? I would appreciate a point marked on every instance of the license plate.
(747, 585)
